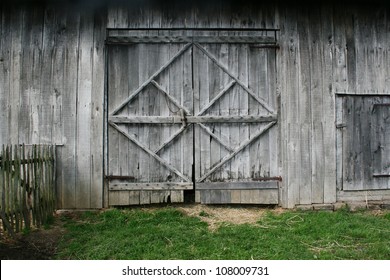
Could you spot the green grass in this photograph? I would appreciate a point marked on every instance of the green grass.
(169, 234)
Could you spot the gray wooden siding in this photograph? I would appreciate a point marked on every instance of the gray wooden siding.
(324, 50)
(305, 74)
(52, 88)
(364, 127)
(148, 85)
(52, 69)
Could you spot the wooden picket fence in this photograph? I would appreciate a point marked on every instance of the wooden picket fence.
(27, 186)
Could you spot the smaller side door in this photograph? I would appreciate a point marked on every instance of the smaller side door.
(363, 142)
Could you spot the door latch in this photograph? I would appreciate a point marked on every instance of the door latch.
(183, 117)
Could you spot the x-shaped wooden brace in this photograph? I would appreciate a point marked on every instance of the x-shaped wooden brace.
(113, 120)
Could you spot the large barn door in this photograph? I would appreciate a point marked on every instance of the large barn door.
(236, 140)
(192, 109)
(150, 150)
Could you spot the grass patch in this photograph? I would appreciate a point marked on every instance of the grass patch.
(167, 233)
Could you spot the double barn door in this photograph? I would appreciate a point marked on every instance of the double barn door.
(191, 110)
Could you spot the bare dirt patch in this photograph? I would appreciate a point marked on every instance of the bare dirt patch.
(215, 216)
(39, 244)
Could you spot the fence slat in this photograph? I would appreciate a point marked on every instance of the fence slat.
(9, 187)
(15, 186)
(27, 191)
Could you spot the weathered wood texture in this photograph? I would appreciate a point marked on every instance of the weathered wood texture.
(324, 50)
(201, 92)
(363, 196)
(52, 84)
(364, 159)
(150, 82)
(51, 92)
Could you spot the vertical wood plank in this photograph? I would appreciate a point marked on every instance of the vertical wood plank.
(122, 84)
(340, 84)
(167, 81)
(15, 68)
(316, 103)
(274, 100)
(366, 168)
(257, 83)
(214, 79)
(281, 62)
(340, 131)
(177, 196)
(290, 97)
(97, 96)
(28, 115)
(356, 155)
(41, 101)
(352, 49)
(246, 196)
(144, 198)
(5, 47)
(201, 99)
(133, 109)
(234, 97)
(235, 196)
(152, 98)
(304, 101)
(49, 81)
(329, 105)
(227, 56)
(113, 134)
(111, 16)
(243, 128)
(69, 103)
(365, 40)
(174, 85)
(83, 111)
(134, 198)
(347, 139)
(144, 111)
(339, 68)
(187, 139)
(56, 51)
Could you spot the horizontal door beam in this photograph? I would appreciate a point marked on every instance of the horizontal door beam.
(216, 39)
(150, 186)
(192, 119)
(237, 185)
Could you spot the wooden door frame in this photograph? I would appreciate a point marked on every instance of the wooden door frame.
(348, 194)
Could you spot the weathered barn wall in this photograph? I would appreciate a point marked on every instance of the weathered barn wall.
(52, 87)
(325, 50)
(52, 70)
